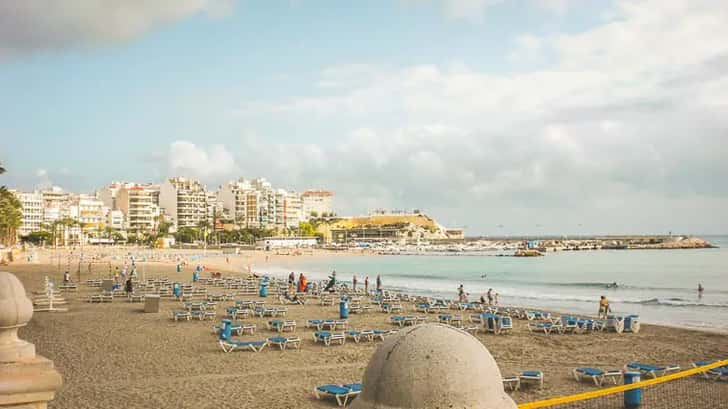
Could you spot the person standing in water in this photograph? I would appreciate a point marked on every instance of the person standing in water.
(489, 294)
(354, 282)
(604, 308)
(700, 290)
(379, 284)
(366, 285)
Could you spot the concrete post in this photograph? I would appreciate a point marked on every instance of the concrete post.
(432, 366)
(27, 380)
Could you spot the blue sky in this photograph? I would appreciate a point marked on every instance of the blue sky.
(544, 116)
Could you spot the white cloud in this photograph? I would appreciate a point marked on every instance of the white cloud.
(628, 116)
(187, 159)
(27, 26)
(473, 10)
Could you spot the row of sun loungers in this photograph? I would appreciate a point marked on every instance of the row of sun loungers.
(715, 374)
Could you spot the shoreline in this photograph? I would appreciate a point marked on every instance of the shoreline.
(278, 265)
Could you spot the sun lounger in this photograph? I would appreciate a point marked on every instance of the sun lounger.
(424, 308)
(285, 342)
(392, 307)
(229, 345)
(380, 334)
(333, 324)
(712, 374)
(615, 323)
(282, 326)
(597, 375)
(238, 328)
(454, 320)
(234, 312)
(180, 315)
(94, 298)
(511, 382)
(360, 335)
(632, 324)
(651, 370)
(342, 393)
(532, 376)
(545, 327)
(402, 320)
(328, 338)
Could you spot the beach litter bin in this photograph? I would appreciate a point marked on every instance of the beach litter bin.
(343, 308)
(633, 397)
(179, 268)
(226, 330)
(195, 276)
(177, 290)
(151, 303)
(263, 288)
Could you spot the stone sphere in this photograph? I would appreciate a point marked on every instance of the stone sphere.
(15, 307)
(432, 366)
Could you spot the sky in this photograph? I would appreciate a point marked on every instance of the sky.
(499, 116)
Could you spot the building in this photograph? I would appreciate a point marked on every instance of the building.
(316, 203)
(89, 212)
(136, 203)
(184, 201)
(32, 209)
(292, 210)
(115, 219)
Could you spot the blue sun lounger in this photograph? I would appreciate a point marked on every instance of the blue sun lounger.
(342, 393)
(597, 375)
(238, 328)
(532, 376)
(712, 374)
(285, 342)
(327, 337)
(229, 345)
(651, 370)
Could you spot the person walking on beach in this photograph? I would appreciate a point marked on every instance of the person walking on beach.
(291, 278)
(604, 309)
(496, 299)
(700, 290)
(332, 282)
(366, 285)
(354, 282)
(66, 277)
(462, 296)
(129, 287)
(489, 294)
(379, 284)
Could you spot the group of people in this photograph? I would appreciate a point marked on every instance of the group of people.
(331, 285)
(489, 298)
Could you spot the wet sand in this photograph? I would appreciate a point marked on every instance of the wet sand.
(113, 355)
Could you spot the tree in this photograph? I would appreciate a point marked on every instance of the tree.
(38, 237)
(314, 214)
(164, 228)
(11, 215)
(2, 169)
(186, 235)
(306, 229)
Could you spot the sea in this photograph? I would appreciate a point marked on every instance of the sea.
(658, 285)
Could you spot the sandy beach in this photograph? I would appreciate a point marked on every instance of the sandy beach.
(113, 355)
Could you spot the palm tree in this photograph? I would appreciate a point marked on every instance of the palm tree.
(11, 216)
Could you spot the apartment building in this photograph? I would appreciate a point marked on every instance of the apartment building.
(89, 212)
(32, 209)
(316, 202)
(137, 205)
(292, 210)
(184, 201)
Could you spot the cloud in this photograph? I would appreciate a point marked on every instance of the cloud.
(473, 10)
(43, 179)
(623, 126)
(29, 26)
(187, 159)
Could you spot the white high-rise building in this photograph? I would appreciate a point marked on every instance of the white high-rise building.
(89, 212)
(137, 205)
(184, 201)
(292, 210)
(316, 202)
(32, 209)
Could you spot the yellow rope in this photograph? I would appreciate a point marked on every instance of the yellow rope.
(620, 388)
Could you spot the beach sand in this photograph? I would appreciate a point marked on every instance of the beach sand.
(113, 355)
